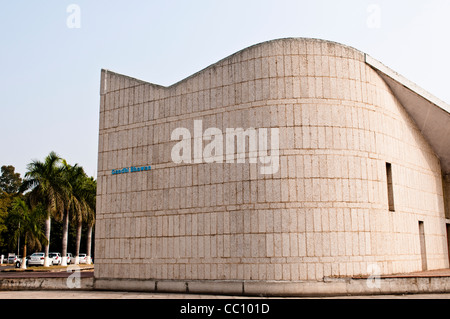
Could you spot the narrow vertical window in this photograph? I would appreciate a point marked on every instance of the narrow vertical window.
(423, 249)
(390, 187)
(446, 192)
(448, 241)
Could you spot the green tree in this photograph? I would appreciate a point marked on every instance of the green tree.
(9, 180)
(6, 228)
(48, 187)
(73, 176)
(5, 206)
(28, 225)
(84, 189)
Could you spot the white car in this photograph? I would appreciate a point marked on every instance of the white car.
(70, 259)
(36, 259)
(55, 257)
(12, 259)
(82, 258)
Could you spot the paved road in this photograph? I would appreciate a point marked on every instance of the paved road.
(77, 294)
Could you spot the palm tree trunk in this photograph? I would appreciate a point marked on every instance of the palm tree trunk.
(48, 223)
(24, 256)
(65, 236)
(88, 245)
(77, 258)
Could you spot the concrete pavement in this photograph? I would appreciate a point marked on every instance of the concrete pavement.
(80, 294)
(61, 283)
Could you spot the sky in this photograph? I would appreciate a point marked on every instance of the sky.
(52, 52)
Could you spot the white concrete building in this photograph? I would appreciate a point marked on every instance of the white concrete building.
(362, 180)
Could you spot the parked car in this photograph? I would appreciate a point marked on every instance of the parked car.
(55, 257)
(82, 258)
(18, 262)
(12, 259)
(70, 259)
(36, 259)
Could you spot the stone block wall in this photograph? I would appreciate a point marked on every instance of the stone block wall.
(325, 212)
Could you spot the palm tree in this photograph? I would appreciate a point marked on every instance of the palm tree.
(45, 179)
(28, 221)
(72, 175)
(91, 186)
(85, 191)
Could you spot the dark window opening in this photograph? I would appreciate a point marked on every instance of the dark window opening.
(423, 249)
(390, 187)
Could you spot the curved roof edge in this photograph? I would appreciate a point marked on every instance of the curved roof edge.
(431, 115)
(261, 44)
(236, 54)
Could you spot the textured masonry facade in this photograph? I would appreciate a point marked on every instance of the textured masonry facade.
(324, 213)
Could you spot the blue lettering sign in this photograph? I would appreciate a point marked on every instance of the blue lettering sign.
(131, 169)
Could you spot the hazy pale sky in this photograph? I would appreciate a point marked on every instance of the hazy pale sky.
(51, 54)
